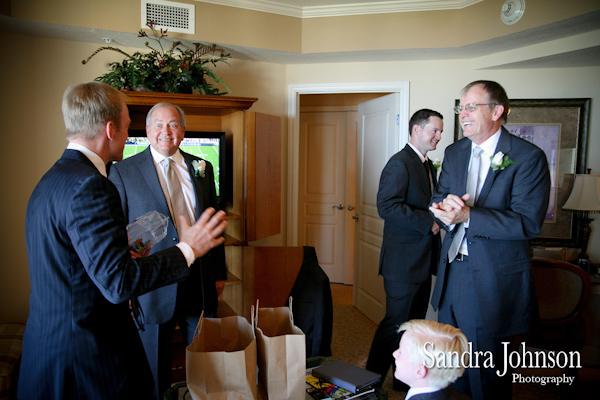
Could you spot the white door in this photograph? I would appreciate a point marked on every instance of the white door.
(322, 198)
(379, 137)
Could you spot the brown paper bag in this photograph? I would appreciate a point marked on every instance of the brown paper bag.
(281, 353)
(221, 361)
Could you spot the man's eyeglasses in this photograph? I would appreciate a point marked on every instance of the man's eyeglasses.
(472, 107)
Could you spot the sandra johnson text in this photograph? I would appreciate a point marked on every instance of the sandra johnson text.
(521, 358)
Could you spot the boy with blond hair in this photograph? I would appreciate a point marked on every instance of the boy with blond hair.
(430, 358)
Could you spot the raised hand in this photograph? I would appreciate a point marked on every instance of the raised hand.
(206, 233)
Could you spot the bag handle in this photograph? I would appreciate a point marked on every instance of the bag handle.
(199, 324)
(291, 313)
(255, 316)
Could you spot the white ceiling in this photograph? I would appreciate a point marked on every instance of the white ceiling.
(577, 56)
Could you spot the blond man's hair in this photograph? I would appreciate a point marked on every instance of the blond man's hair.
(433, 341)
(87, 107)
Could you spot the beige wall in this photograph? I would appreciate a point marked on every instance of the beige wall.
(33, 133)
(36, 71)
(240, 27)
(436, 84)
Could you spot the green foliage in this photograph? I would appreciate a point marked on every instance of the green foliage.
(176, 70)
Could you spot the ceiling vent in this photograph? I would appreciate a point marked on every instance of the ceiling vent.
(175, 17)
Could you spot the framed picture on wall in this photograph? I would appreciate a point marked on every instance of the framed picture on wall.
(560, 128)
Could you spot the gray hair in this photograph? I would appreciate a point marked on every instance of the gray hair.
(160, 105)
(87, 107)
(496, 95)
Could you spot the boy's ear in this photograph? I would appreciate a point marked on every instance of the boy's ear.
(422, 371)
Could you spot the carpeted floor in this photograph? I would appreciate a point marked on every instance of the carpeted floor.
(353, 333)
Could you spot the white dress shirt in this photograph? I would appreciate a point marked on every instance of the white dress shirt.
(183, 174)
(93, 157)
(420, 390)
(488, 147)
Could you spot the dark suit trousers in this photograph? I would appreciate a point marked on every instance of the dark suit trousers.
(157, 340)
(404, 301)
(459, 308)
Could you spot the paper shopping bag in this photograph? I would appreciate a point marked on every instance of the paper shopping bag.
(281, 353)
(221, 361)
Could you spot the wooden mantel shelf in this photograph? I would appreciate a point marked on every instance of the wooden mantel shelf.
(191, 103)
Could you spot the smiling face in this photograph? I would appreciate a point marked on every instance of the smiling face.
(426, 138)
(484, 121)
(165, 131)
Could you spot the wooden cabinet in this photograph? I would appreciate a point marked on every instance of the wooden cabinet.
(253, 202)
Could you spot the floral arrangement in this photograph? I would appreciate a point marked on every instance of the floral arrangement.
(175, 70)
(500, 161)
(437, 163)
(140, 246)
(199, 168)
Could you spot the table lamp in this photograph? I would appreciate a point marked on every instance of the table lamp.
(584, 199)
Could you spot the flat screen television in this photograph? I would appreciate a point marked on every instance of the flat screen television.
(209, 146)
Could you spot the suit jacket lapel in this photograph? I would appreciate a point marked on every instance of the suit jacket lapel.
(421, 171)
(196, 182)
(148, 171)
(505, 147)
(463, 153)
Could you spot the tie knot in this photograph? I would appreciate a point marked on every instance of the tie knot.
(477, 151)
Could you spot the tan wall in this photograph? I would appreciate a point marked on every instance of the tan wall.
(235, 26)
(33, 133)
(38, 70)
(431, 29)
(217, 24)
(436, 84)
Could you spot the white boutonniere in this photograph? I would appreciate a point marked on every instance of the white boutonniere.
(437, 163)
(500, 161)
(199, 168)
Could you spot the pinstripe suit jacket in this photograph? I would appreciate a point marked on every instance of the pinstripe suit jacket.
(139, 188)
(80, 340)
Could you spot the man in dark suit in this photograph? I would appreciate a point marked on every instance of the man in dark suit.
(410, 236)
(484, 283)
(80, 340)
(143, 187)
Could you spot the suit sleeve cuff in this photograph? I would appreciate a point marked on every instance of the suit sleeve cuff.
(188, 252)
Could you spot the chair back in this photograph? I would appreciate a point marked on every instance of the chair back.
(562, 289)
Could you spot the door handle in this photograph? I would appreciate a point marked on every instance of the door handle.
(338, 206)
(350, 208)
(355, 217)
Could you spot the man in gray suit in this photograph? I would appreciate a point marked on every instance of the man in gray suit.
(409, 251)
(492, 198)
(80, 340)
(143, 184)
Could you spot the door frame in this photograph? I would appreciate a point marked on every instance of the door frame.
(294, 92)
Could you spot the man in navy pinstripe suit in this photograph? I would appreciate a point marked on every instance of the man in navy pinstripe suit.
(80, 341)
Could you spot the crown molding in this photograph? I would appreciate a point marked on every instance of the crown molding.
(338, 10)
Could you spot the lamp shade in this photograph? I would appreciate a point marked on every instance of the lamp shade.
(585, 195)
